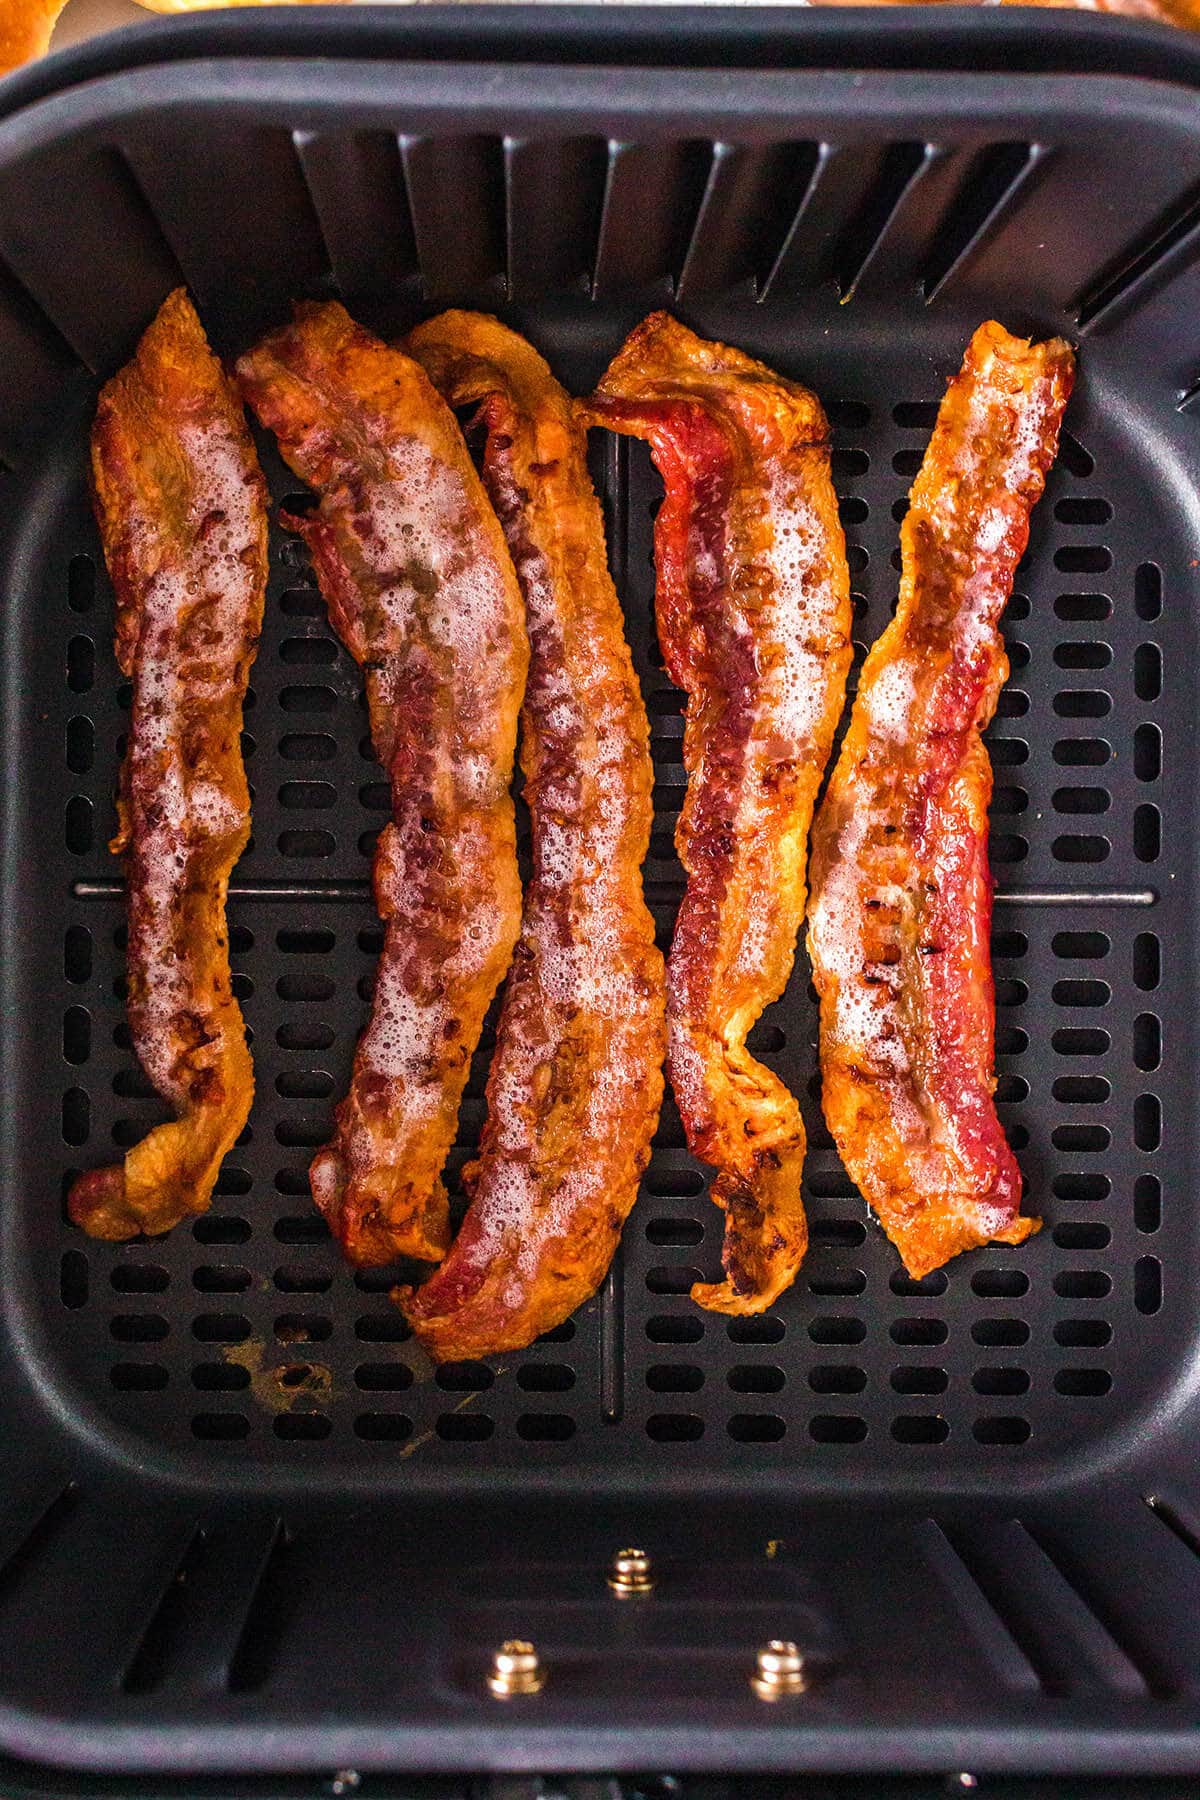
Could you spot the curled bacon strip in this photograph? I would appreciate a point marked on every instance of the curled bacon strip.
(420, 587)
(754, 620)
(900, 916)
(575, 1084)
(182, 509)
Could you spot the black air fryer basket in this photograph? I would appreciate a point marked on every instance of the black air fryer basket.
(243, 1524)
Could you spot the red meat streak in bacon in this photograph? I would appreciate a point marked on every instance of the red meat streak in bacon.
(900, 917)
(753, 613)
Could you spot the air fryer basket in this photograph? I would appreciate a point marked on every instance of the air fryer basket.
(242, 1523)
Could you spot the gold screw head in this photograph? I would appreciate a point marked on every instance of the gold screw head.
(516, 1669)
(778, 1670)
(630, 1573)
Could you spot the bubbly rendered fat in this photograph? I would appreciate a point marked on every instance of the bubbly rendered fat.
(438, 584)
(794, 688)
(579, 964)
(217, 573)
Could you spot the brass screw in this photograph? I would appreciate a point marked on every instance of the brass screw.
(629, 1573)
(516, 1669)
(778, 1670)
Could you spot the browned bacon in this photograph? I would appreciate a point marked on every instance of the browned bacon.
(754, 620)
(900, 915)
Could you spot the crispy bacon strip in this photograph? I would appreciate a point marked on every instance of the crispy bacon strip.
(420, 587)
(754, 620)
(576, 1083)
(182, 509)
(900, 917)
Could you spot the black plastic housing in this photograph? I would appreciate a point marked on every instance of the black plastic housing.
(243, 1526)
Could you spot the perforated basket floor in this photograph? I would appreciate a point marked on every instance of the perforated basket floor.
(939, 1488)
(245, 1334)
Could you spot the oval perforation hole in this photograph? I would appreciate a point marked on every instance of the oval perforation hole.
(756, 1428)
(1083, 1383)
(1000, 1333)
(1147, 752)
(674, 1231)
(1147, 1284)
(293, 1279)
(1001, 1380)
(76, 1116)
(674, 1428)
(297, 795)
(1147, 1122)
(1080, 1040)
(220, 1377)
(1075, 609)
(465, 1377)
(388, 1428)
(1089, 654)
(139, 1378)
(1081, 1090)
(307, 746)
(1082, 1284)
(303, 1328)
(1147, 832)
(1072, 511)
(1080, 847)
(1082, 753)
(464, 1427)
(1147, 672)
(302, 1427)
(1082, 559)
(1083, 1333)
(841, 1234)
(917, 1378)
(73, 1280)
(1081, 992)
(140, 1278)
(216, 1229)
(1001, 1431)
(383, 1378)
(837, 1378)
(838, 1284)
(837, 1428)
(138, 1328)
(665, 1328)
(925, 1332)
(1147, 1203)
(81, 664)
(905, 1284)
(382, 1328)
(756, 1378)
(837, 1329)
(668, 1278)
(999, 1284)
(673, 1183)
(545, 1378)
(1147, 963)
(1078, 1235)
(1077, 800)
(545, 1428)
(220, 1426)
(1082, 1140)
(920, 1428)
